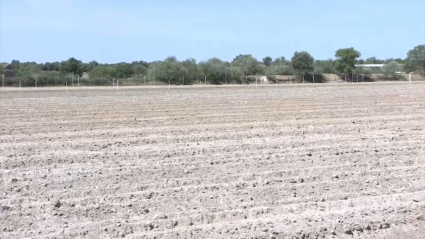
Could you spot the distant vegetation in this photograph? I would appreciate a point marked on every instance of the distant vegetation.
(215, 71)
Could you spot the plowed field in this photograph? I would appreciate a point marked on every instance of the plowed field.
(305, 161)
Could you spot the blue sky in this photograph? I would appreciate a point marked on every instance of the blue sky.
(112, 31)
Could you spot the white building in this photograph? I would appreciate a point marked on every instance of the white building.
(371, 65)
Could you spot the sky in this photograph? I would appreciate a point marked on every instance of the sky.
(111, 31)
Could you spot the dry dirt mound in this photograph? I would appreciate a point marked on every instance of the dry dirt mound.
(342, 161)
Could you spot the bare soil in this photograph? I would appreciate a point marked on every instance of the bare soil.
(303, 161)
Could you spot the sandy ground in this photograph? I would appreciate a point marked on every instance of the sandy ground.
(304, 161)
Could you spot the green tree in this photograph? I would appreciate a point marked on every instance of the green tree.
(390, 69)
(16, 64)
(90, 66)
(267, 61)
(140, 70)
(193, 71)
(143, 63)
(324, 67)
(34, 69)
(302, 63)
(415, 61)
(215, 70)
(50, 66)
(346, 60)
(280, 66)
(101, 71)
(124, 70)
(169, 71)
(248, 64)
(71, 66)
(233, 74)
(374, 60)
(281, 60)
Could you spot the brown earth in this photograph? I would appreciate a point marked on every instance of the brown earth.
(303, 161)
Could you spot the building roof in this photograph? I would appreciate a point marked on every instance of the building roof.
(5, 64)
(370, 65)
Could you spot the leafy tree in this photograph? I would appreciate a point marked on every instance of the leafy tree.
(415, 60)
(193, 72)
(16, 65)
(346, 60)
(374, 60)
(302, 63)
(140, 70)
(281, 59)
(71, 66)
(248, 64)
(124, 70)
(50, 66)
(215, 70)
(280, 66)
(362, 71)
(1, 69)
(103, 72)
(278, 69)
(169, 71)
(267, 61)
(324, 67)
(143, 63)
(233, 74)
(87, 67)
(390, 69)
(34, 69)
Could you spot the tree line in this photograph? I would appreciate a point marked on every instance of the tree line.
(242, 69)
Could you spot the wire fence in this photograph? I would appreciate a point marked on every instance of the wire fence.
(146, 81)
